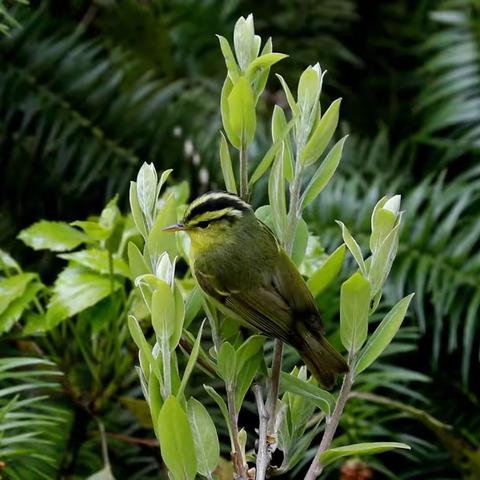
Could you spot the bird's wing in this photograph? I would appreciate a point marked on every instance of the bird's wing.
(260, 307)
(289, 284)
(274, 307)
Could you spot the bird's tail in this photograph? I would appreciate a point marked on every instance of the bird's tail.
(323, 361)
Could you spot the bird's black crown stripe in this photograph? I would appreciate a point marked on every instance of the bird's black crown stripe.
(215, 204)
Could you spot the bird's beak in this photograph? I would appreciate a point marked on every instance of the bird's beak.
(176, 227)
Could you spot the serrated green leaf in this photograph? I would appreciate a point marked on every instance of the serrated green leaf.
(383, 334)
(207, 447)
(176, 441)
(13, 287)
(323, 173)
(321, 135)
(332, 454)
(327, 272)
(75, 290)
(54, 236)
(354, 311)
(97, 260)
(8, 262)
(15, 309)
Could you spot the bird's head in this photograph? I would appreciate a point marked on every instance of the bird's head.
(213, 218)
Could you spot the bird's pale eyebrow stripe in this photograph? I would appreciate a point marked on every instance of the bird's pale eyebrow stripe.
(215, 202)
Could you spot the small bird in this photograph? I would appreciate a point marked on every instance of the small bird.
(238, 262)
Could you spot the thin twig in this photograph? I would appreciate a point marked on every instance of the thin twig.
(263, 455)
(331, 427)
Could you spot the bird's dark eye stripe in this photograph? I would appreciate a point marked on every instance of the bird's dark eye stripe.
(203, 224)
(206, 223)
(215, 204)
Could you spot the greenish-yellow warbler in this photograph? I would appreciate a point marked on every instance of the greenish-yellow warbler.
(239, 263)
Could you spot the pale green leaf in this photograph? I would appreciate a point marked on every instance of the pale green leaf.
(231, 64)
(226, 165)
(225, 111)
(163, 312)
(327, 272)
(323, 173)
(226, 362)
(191, 362)
(353, 246)
(176, 441)
(147, 190)
(332, 454)
(354, 311)
(263, 62)
(321, 398)
(137, 263)
(321, 135)
(270, 155)
(242, 115)
(291, 101)
(104, 474)
(207, 447)
(137, 214)
(383, 334)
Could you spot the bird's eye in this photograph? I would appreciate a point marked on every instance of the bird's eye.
(203, 224)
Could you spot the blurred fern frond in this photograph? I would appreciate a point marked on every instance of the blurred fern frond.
(449, 102)
(32, 428)
(439, 256)
(82, 116)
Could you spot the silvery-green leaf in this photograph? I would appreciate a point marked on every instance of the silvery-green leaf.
(291, 101)
(147, 190)
(226, 165)
(327, 272)
(323, 173)
(207, 447)
(176, 441)
(383, 334)
(353, 246)
(321, 135)
(231, 64)
(225, 111)
(163, 311)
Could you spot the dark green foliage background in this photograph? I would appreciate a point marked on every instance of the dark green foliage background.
(90, 90)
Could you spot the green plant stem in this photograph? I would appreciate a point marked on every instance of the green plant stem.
(316, 467)
(238, 460)
(244, 194)
(167, 382)
(263, 456)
